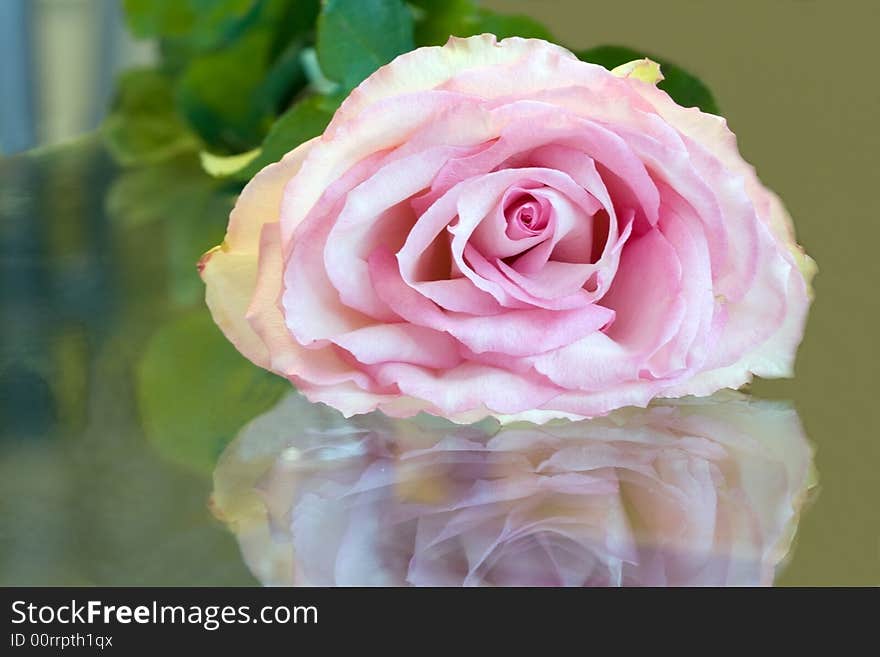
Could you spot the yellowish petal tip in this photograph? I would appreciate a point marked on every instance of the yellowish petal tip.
(203, 261)
(807, 267)
(645, 70)
(219, 166)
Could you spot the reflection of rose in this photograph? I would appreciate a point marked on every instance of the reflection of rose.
(500, 227)
(699, 492)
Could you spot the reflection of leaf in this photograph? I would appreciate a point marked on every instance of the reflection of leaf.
(143, 125)
(684, 88)
(305, 120)
(195, 391)
(437, 20)
(355, 37)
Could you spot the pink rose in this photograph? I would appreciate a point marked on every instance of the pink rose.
(497, 227)
(690, 493)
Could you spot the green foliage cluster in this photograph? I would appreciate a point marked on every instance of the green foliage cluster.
(262, 76)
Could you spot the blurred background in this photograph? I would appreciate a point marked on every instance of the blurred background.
(58, 61)
(82, 305)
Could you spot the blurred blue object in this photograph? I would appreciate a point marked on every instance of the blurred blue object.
(17, 109)
(58, 61)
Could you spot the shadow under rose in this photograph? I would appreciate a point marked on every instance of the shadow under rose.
(692, 492)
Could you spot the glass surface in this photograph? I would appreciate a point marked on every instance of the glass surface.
(692, 492)
(118, 395)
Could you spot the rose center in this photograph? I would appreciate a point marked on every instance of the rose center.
(526, 216)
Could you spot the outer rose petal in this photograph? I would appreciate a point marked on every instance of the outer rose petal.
(429, 68)
(243, 285)
(712, 133)
(287, 356)
(773, 357)
(701, 283)
(783, 228)
(230, 270)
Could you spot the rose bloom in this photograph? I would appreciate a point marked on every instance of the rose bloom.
(694, 493)
(499, 228)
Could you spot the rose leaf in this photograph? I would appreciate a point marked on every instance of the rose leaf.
(202, 24)
(195, 391)
(437, 20)
(355, 37)
(143, 125)
(307, 119)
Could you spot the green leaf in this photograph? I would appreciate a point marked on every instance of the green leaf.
(202, 24)
(231, 94)
(437, 20)
(143, 125)
(283, 80)
(178, 203)
(218, 94)
(356, 37)
(683, 87)
(503, 26)
(288, 22)
(293, 21)
(195, 391)
(305, 120)
(187, 239)
(152, 18)
(146, 194)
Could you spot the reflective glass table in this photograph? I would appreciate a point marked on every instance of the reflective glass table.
(137, 447)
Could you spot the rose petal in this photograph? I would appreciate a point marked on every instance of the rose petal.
(515, 333)
(230, 271)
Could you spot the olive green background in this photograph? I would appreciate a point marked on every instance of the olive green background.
(798, 83)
